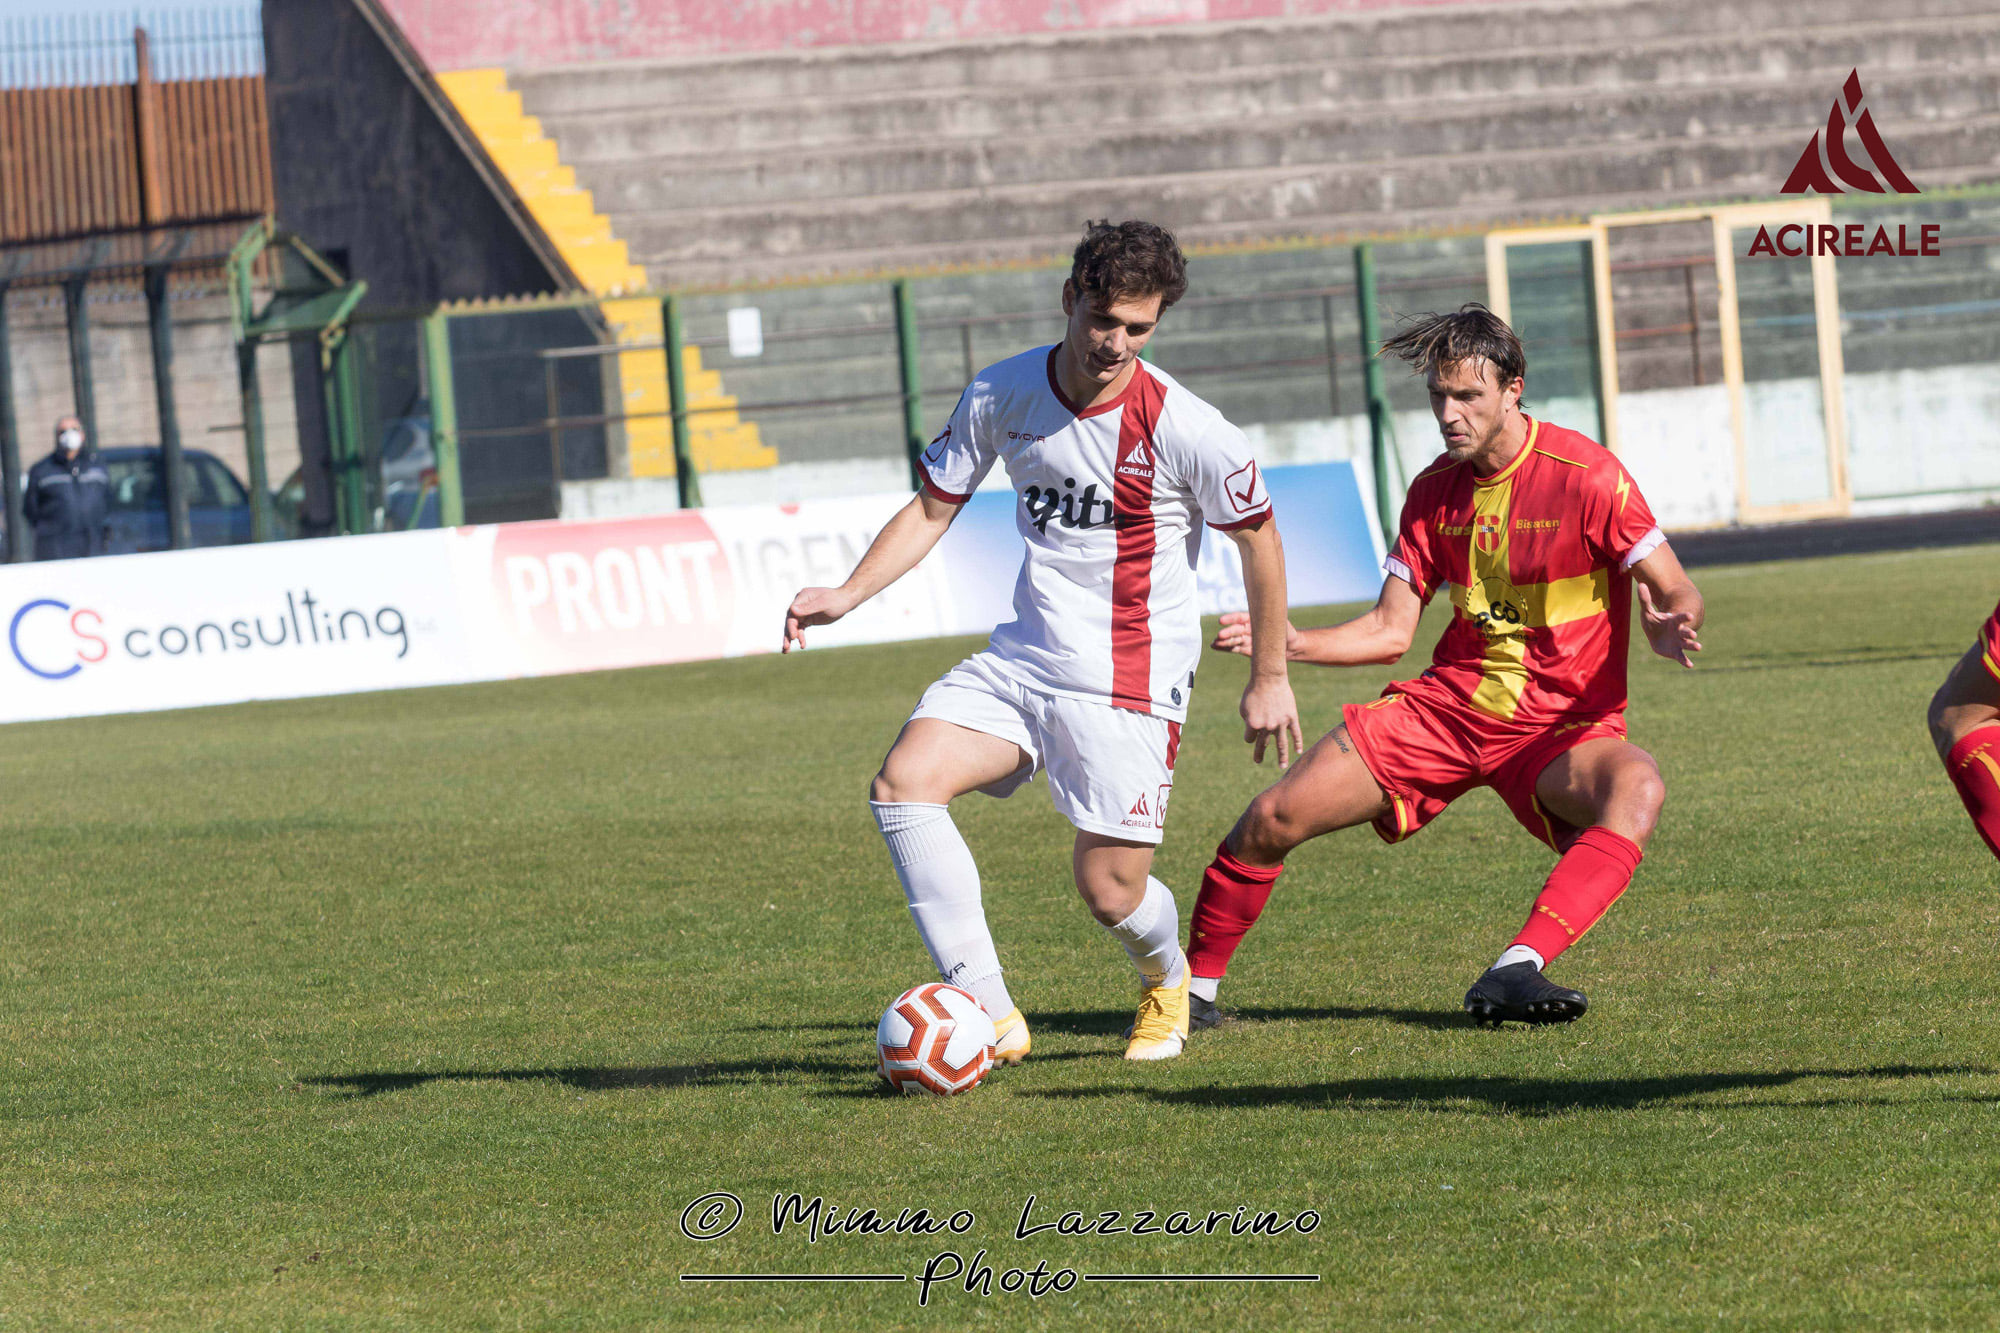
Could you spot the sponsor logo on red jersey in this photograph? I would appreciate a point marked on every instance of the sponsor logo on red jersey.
(1138, 460)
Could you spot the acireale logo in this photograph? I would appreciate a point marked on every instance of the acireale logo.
(1828, 167)
(1825, 167)
(36, 639)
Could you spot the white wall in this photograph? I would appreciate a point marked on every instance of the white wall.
(1917, 441)
(1678, 447)
(1912, 432)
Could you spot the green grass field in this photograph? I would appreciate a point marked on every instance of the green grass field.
(436, 1009)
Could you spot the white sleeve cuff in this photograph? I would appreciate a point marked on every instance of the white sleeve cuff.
(1644, 547)
(1398, 569)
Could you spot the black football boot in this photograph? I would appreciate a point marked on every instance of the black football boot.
(1520, 993)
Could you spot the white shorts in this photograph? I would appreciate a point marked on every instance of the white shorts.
(1110, 769)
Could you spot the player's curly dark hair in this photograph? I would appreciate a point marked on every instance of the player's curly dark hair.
(1119, 261)
(1438, 342)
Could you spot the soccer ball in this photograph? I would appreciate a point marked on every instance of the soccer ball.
(934, 1039)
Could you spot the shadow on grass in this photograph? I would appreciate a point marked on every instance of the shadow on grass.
(828, 1025)
(812, 1069)
(1788, 661)
(1113, 1022)
(1437, 1020)
(1527, 1096)
(599, 1080)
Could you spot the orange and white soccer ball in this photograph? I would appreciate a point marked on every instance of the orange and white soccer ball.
(935, 1039)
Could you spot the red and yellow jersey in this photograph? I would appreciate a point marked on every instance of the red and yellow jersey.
(1537, 558)
(1989, 642)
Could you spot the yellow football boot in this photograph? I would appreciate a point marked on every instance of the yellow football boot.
(1012, 1047)
(1161, 1028)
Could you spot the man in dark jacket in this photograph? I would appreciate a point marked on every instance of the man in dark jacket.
(69, 497)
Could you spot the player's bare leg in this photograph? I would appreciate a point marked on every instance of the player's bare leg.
(1965, 728)
(936, 761)
(931, 764)
(1327, 788)
(1114, 877)
(1111, 875)
(1607, 783)
(1611, 789)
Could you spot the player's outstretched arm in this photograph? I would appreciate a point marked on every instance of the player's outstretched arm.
(1670, 606)
(1269, 710)
(1379, 637)
(902, 542)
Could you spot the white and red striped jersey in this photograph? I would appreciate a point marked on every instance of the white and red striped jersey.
(1110, 502)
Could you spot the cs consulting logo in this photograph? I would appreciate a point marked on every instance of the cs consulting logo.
(53, 640)
(83, 622)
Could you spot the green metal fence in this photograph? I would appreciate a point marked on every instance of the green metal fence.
(848, 380)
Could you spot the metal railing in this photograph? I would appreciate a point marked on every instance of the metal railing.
(878, 373)
(912, 390)
(1692, 327)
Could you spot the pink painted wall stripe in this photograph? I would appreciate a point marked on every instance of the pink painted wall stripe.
(527, 34)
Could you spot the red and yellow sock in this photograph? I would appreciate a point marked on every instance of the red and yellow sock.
(1586, 881)
(1974, 768)
(1231, 899)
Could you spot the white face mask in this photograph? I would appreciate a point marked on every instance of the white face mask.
(70, 440)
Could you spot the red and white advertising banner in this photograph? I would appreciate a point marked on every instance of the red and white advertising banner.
(553, 597)
(180, 629)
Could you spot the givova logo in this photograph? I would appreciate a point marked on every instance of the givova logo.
(53, 640)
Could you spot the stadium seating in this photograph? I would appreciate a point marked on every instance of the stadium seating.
(851, 160)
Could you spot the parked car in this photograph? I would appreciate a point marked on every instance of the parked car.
(409, 475)
(218, 504)
(409, 496)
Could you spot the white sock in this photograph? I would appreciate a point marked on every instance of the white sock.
(1204, 987)
(1520, 953)
(1152, 937)
(941, 884)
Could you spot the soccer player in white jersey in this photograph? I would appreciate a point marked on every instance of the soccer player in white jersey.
(1116, 468)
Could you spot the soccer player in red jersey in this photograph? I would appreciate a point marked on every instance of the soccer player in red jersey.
(1965, 727)
(1536, 534)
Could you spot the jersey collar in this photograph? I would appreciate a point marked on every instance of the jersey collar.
(1534, 429)
(1125, 395)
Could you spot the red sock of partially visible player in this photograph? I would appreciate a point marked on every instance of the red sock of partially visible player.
(1582, 887)
(1231, 899)
(1974, 768)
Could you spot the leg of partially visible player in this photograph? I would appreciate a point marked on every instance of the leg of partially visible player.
(1965, 727)
(1327, 788)
(1114, 877)
(1611, 790)
(932, 763)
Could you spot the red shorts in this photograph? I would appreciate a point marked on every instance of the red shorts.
(1989, 642)
(1426, 755)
